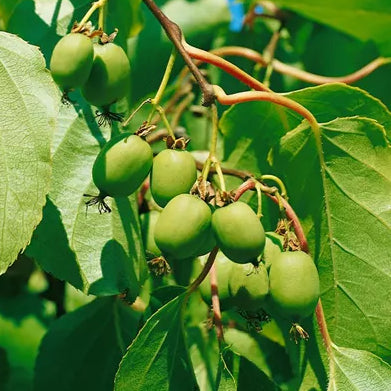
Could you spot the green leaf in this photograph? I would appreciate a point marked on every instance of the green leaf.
(100, 254)
(82, 349)
(205, 356)
(349, 17)
(359, 370)
(269, 357)
(28, 109)
(157, 359)
(347, 216)
(251, 129)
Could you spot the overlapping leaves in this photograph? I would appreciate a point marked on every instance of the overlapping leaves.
(28, 109)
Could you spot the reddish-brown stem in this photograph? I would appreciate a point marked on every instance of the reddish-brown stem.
(174, 33)
(323, 327)
(245, 186)
(216, 303)
(250, 96)
(225, 65)
(290, 213)
(141, 194)
(289, 70)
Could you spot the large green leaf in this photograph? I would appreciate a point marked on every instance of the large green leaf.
(82, 349)
(158, 359)
(359, 370)
(28, 109)
(347, 215)
(251, 129)
(100, 254)
(350, 17)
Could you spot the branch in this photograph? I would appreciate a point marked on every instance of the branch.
(243, 175)
(174, 33)
(250, 96)
(225, 65)
(289, 70)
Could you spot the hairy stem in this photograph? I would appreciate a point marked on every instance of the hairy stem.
(289, 70)
(216, 303)
(174, 33)
(251, 96)
(225, 65)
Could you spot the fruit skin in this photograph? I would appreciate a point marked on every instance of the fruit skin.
(183, 227)
(248, 285)
(238, 231)
(109, 79)
(223, 268)
(71, 61)
(173, 172)
(148, 222)
(122, 165)
(294, 285)
(273, 247)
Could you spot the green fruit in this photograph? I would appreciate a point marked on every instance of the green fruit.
(249, 286)
(109, 79)
(238, 231)
(183, 227)
(294, 285)
(148, 222)
(71, 61)
(173, 172)
(122, 165)
(223, 269)
(273, 248)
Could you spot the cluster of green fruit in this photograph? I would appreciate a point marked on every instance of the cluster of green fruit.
(284, 283)
(101, 70)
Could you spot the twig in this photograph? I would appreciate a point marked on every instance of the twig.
(174, 33)
(225, 65)
(251, 96)
(289, 70)
(216, 303)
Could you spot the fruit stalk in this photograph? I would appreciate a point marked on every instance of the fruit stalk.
(216, 303)
(95, 5)
(211, 258)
